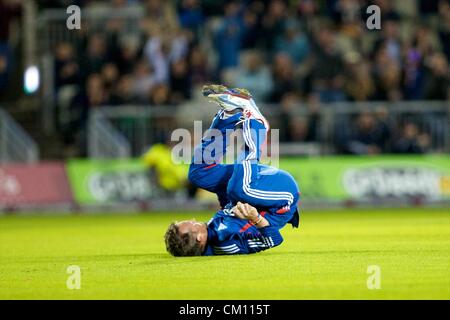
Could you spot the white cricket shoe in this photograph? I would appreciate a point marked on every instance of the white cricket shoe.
(236, 99)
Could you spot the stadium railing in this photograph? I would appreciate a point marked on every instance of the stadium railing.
(15, 144)
(105, 141)
(143, 126)
(432, 118)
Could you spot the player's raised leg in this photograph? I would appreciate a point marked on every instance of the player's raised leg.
(261, 186)
(206, 170)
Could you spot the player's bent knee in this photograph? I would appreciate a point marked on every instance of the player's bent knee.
(198, 177)
(193, 174)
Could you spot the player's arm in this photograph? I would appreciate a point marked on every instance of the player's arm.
(247, 212)
(266, 237)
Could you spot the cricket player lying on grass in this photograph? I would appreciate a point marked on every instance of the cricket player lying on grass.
(257, 200)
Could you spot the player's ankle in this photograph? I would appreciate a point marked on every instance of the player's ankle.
(227, 114)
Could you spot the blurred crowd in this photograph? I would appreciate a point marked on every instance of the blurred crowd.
(276, 49)
(285, 52)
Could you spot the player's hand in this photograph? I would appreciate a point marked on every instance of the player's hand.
(245, 211)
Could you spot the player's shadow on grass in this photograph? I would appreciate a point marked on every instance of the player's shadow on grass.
(341, 252)
(136, 259)
(166, 259)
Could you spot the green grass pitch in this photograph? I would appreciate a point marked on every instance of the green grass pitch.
(123, 257)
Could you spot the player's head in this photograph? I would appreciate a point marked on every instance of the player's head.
(186, 238)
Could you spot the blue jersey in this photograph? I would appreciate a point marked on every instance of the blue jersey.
(228, 234)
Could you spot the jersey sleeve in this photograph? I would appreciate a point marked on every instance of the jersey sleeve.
(266, 238)
(250, 242)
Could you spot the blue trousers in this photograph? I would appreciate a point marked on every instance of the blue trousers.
(272, 191)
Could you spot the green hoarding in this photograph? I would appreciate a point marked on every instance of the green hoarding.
(327, 178)
(368, 177)
(106, 181)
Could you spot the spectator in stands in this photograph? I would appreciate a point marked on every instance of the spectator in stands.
(411, 141)
(385, 127)
(328, 69)
(307, 10)
(390, 39)
(96, 55)
(228, 37)
(387, 76)
(444, 27)
(345, 12)
(368, 137)
(293, 43)
(162, 49)
(5, 66)
(123, 93)
(359, 85)
(427, 8)
(283, 77)
(143, 81)
(254, 76)
(93, 96)
(437, 83)
(163, 14)
(273, 23)
(128, 53)
(66, 66)
(302, 128)
(9, 11)
(423, 45)
(299, 128)
(425, 41)
(288, 104)
(160, 95)
(191, 16)
(110, 75)
(198, 65)
(413, 75)
(252, 36)
(180, 81)
(67, 77)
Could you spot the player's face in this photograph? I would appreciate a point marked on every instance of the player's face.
(196, 229)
